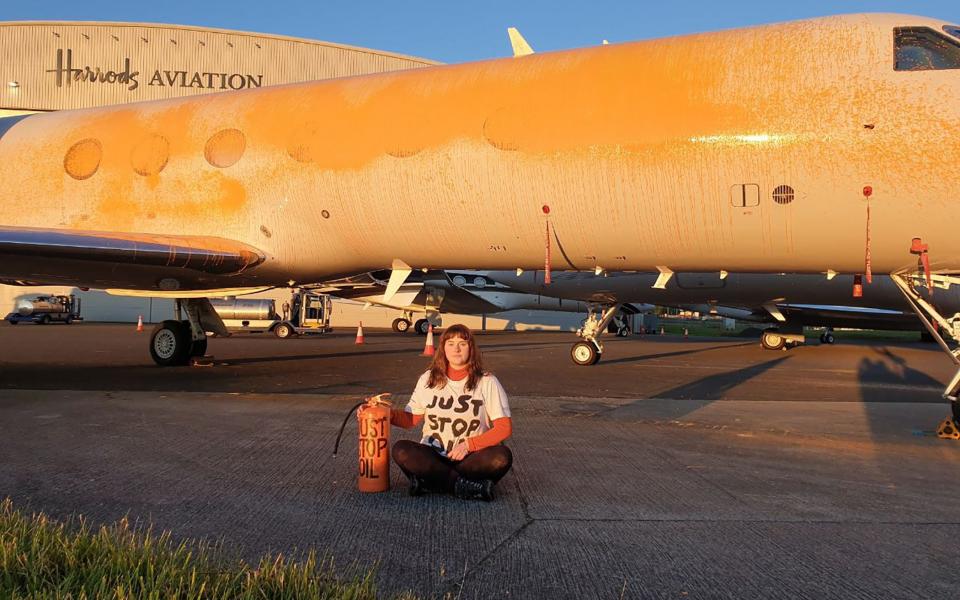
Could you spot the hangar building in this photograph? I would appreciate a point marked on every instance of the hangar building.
(66, 65)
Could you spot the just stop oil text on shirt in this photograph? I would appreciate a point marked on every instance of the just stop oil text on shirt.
(453, 413)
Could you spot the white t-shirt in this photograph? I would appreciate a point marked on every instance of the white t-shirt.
(452, 414)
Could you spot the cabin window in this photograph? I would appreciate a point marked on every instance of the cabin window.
(923, 49)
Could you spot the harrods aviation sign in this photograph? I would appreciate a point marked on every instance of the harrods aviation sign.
(67, 74)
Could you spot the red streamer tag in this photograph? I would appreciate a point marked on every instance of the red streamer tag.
(868, 271)
(546, 262)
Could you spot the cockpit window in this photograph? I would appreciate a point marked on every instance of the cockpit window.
(952, 30)
(923, 49)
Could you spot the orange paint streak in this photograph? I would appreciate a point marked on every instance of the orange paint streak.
(624, 95)
(233, 196)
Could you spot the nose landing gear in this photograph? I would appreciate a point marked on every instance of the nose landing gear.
(588, 350)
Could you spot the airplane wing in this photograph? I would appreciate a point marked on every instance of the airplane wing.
(35, 256)
(816, 315)
(850, 316)
(413, 294)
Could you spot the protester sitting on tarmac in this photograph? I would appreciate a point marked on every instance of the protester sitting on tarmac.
(465, 418)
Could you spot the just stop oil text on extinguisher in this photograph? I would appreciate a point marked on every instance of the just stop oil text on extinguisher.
(373, 443)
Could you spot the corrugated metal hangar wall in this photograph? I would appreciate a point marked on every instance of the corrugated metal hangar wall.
(58, 66)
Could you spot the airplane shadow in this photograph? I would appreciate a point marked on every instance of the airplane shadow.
(703, 391)
(888, 379)
(295, 357)
(877, 377)
(405, 351)
(669, 354)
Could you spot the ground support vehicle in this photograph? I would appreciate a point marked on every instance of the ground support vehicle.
(44, 310)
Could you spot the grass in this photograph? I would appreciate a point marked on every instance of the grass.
(44, 559)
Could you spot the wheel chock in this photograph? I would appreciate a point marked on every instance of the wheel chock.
(201, 361)
(948, 430)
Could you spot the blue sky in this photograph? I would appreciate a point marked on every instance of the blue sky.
(457, 30)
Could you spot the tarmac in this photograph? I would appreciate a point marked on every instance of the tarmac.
(675, 468)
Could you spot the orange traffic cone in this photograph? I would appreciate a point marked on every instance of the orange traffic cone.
(140, 323)
(359, 334)
(428, 348)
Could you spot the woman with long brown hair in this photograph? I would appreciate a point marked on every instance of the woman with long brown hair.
(465, 418)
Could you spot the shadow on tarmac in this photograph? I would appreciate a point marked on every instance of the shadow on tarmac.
(704, 391)
(669, 354)
(404, 351)
(294, 357)
(891, 369)
(883, 380)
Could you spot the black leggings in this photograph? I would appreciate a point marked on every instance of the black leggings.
(439, 473)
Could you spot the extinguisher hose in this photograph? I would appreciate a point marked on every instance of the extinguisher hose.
(345, 419)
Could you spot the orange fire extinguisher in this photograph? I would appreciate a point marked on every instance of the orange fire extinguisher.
(373, 443)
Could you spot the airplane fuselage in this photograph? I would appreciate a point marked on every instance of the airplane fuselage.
(744, 150)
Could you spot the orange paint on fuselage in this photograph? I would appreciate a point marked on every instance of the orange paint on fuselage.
(636, 147)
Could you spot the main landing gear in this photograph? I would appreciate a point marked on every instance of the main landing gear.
(950, 427)
(421, 326)
(775, 339)
(174, 342)
(401, 325)
(589, 349)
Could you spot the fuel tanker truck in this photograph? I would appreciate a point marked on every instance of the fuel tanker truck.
(44, 310)
(306, 312)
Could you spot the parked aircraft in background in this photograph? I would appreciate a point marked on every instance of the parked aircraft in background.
(436, 292)
(789, 302)
(723, 151)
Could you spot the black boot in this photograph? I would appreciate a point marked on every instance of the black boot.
(418, 487)
(468, 489)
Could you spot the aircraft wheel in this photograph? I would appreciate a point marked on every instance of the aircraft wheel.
(12, 322)
(283, 331)
(771, 340)
(401, 325)
(827, 338)
(623, 331)
(69, 320)
(422, 326)
(584, 354)
(45, 320)
(170, 344)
